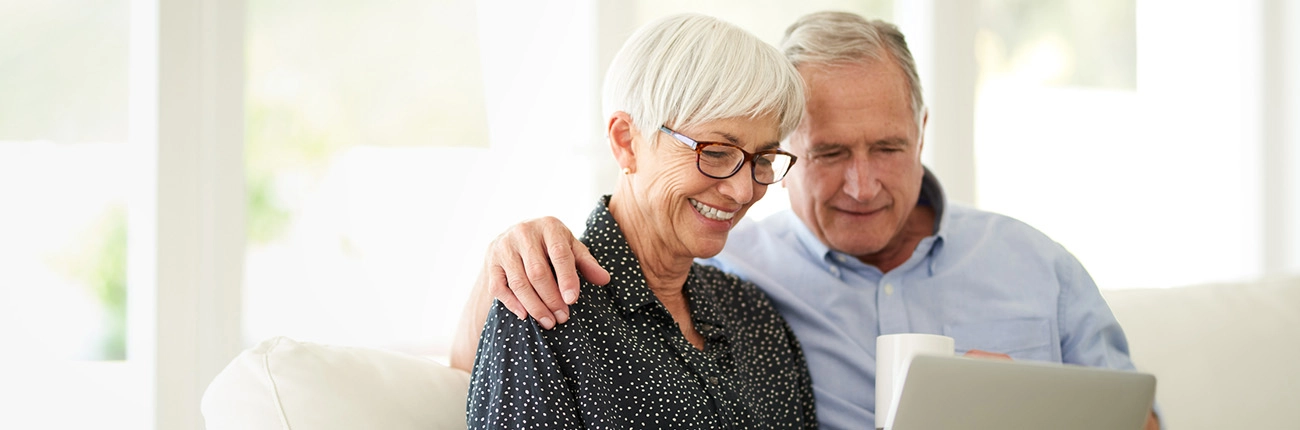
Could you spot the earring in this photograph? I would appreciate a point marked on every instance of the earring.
(627, 171)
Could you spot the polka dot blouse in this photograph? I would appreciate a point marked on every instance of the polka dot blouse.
(622, 362)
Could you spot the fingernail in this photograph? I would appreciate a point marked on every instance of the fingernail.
(570, 297)
(546, 323)
(561, 316)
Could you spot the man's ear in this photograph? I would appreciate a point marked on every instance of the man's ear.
(622, 133)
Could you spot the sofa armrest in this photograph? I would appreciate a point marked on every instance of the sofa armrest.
(282, 384)
(1224, 355)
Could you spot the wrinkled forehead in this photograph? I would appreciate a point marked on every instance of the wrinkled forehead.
(752, 134)
(875, 88)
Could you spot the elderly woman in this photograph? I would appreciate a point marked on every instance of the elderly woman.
(696, 110)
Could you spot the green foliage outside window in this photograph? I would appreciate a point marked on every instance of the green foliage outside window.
(98, 261)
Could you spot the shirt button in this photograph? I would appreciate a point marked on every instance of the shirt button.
(889, 289)
(835, 271)
(841, 258)
(713, 380)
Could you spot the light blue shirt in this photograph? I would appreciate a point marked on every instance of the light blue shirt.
(988, 281)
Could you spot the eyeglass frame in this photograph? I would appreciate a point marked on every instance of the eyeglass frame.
(750, 158)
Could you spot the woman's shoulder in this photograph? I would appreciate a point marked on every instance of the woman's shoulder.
(593, 301)
(754, 324)
(728, 289)
(720, 279)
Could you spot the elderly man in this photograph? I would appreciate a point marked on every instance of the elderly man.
(870, 245)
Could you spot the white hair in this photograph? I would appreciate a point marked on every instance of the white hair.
(830, 38)
(684, 70)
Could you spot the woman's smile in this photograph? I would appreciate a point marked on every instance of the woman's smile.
(711, 212)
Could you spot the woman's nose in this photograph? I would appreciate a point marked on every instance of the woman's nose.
(740, 186)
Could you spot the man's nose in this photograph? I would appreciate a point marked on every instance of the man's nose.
(860, 180)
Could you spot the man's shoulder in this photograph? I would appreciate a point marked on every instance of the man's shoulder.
(966, 224)
(761, 243)
(752, 235)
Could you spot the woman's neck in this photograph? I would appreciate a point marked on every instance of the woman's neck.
(665, 270)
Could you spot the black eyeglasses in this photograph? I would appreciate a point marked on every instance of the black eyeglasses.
(721, 160)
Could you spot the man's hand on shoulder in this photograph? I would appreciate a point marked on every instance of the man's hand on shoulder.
(533, 269)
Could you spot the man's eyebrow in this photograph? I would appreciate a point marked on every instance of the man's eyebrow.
(770, 146)
(893, 141)
(824, 147)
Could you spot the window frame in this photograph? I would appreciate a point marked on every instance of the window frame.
(186, 207)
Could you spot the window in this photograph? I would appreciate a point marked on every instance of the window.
(1111, 127)
(63, 288)
(389, 142)
(364, 122)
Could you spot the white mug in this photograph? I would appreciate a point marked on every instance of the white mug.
(894, 353)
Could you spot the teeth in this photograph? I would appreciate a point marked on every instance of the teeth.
(711, 213)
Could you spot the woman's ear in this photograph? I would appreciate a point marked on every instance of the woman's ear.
(622, 133)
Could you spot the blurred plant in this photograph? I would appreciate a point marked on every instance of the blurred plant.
(323, 76)
(98, 260)
(1018, 36)
(278, 143)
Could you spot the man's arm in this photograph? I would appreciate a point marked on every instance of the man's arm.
(1090, 334)
(464, 345)
(532, 269)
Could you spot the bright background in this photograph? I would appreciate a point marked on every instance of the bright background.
(183, 180)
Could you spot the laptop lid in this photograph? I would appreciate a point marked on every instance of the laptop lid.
(978, 394)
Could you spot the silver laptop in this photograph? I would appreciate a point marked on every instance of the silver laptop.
(979, 394)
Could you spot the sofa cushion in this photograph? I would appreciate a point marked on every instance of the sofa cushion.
(1224, 355)
(287, 385)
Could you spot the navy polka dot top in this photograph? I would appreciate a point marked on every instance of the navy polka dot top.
(622, 362)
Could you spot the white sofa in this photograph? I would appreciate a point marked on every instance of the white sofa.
(1225, 357)
(283, 384)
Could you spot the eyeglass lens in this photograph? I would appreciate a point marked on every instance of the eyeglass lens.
(722, 161)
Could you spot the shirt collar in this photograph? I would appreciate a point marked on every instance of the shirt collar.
(610, 247)
(702, 298)
(931, 194)
(810, 241)
(627, 282)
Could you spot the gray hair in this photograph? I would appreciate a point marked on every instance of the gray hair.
(688, 69)
(832, 38)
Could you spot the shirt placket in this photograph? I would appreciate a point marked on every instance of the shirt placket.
(721, 367)
(889, 294)
(890, 305)
(707, 368)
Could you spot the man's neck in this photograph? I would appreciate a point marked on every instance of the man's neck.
(920, 224)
